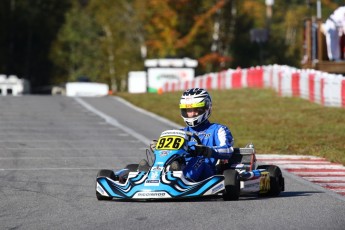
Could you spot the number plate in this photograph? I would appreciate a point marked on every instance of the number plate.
(170, 143)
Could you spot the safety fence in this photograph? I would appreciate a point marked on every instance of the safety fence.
(316, 86)
(12, 85)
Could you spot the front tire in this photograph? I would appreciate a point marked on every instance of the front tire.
(105, 173)
(277, 184)
(232, 185)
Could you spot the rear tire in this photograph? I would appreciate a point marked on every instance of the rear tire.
(232, 185)
(105, 173)
(276, 180)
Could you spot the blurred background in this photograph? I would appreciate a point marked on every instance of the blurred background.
(50, 42)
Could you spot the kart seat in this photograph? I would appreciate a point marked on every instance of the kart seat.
(242, 158)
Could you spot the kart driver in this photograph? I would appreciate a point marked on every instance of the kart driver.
(216, 139)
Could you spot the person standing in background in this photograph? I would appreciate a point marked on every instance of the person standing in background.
(333, 29)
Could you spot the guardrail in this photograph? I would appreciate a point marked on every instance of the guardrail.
(316, 86)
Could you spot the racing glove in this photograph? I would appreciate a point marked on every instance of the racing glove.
(203, 150)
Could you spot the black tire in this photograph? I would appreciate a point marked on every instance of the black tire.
(276, 180)
(232, 185)
(105, 173)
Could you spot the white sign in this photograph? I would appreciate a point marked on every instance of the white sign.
(157, 77)
(184, 62)
(137, 82)
(86, 89)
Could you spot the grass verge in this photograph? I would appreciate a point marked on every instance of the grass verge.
(276, 125)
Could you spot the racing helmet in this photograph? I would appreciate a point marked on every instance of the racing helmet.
(199, 99)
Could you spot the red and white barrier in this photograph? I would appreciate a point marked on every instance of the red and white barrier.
(316, 86)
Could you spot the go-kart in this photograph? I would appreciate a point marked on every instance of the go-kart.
(155, 178)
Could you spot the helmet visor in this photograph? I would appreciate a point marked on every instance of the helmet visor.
(193, 110)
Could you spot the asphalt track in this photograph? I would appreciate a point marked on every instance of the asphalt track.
(52, 147)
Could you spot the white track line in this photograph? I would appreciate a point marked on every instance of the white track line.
(323, 174)
(39, 169)
(276, 156)
(294, 166)
(112, 121)
(286, 162)
(332, 185)
(155, 116)
(325, 179)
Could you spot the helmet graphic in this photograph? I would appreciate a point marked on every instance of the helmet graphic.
(196, 106)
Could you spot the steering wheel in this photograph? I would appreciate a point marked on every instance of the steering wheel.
(191, 134)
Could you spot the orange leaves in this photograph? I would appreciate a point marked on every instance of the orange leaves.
(167, 32)
(161, 29)
(213, 59)
(199, 21)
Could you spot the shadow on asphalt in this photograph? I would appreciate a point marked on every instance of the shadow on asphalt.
(282, 195)
(298, 193)
(219, 197)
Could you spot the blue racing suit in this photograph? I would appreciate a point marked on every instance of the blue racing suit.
(215, 136)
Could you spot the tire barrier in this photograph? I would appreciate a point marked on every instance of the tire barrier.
(318, 87)
(12, 85)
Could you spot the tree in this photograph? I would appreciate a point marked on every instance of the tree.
(104, 40)
(98, 41)
(183, 28)
(26, 31)
(76, 51)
